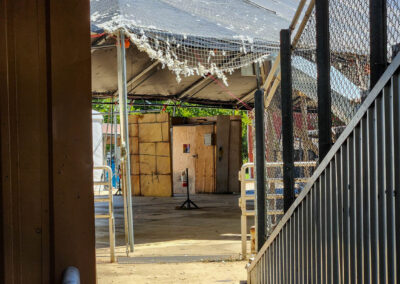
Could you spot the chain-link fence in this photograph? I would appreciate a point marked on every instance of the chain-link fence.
(350, 83)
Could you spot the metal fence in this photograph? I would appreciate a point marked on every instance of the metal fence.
(345, 225)
(350, 82)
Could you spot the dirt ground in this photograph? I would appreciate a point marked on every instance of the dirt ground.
(174, 246)
(193, 273)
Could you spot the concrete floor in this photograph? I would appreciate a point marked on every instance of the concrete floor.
(164, 237)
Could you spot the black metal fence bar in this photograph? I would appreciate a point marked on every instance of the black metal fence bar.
(323, 78)
(361, 167)
(287, 120)
(260, 170)
(378, 38)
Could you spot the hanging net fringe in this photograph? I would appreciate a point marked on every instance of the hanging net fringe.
(198, 37)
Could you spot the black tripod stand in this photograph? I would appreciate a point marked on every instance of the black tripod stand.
(188, 203)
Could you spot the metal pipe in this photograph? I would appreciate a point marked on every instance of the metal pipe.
(323, 78)
(287, 119)
(124, 134)
(378, 39)
(71, 275)
(260, 168)
(160, 105)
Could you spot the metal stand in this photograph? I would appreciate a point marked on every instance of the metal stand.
(188, 203)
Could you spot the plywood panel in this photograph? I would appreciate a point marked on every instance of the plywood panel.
(155, 185)
(162, 117)
(135, 166)
(151, 162)
(222, 154)
(180, 161)
(146, 118)
(204, 161)
(147, 164)
(147, 149)
(133, 130)
(164, 131)
(151, 132)
(135, 182)
(163, 165)
(134, 145)
(163, 149)
(235, 155)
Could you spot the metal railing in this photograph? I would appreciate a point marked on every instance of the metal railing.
(344, 226)
(243, 204)
(244, 196)
(109, 200)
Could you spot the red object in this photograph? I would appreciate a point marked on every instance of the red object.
(127, 43)
(184, 183)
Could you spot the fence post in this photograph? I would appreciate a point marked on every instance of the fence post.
(287, 120)
(260, 167)
(323, 78)
(122, 90)
(378, 39)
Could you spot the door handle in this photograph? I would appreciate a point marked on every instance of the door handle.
(195, 156)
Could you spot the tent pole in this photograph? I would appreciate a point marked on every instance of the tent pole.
(124, 134)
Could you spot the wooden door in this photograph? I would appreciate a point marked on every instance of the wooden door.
(204, 156)
(181, 160)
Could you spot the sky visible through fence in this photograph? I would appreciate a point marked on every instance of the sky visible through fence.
(350, 76)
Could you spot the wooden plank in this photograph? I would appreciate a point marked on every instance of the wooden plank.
(147, 164)
(147, 118)
(163, 149)
(163, 165)
(133, 130)
(135, 182)
(222, 154)
(134, 145)
(135, 165)
(155, 185)
(150, 132)
(235, 155)
(204, 157)
(153, 155)
(147, 149)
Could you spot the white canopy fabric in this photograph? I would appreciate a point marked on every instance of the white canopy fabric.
(198, 37)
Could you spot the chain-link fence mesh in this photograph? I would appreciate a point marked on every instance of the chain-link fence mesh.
(350, 77)
(393, 26)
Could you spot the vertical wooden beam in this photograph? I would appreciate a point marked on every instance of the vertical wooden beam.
(46, 186)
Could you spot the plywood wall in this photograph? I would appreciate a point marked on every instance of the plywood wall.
(235, 154)
(150, 150)
(214, 171)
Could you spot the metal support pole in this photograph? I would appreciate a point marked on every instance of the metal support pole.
(378, 39)
(260, 167)
(323, 78)
(287, 120)
(124, 134)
